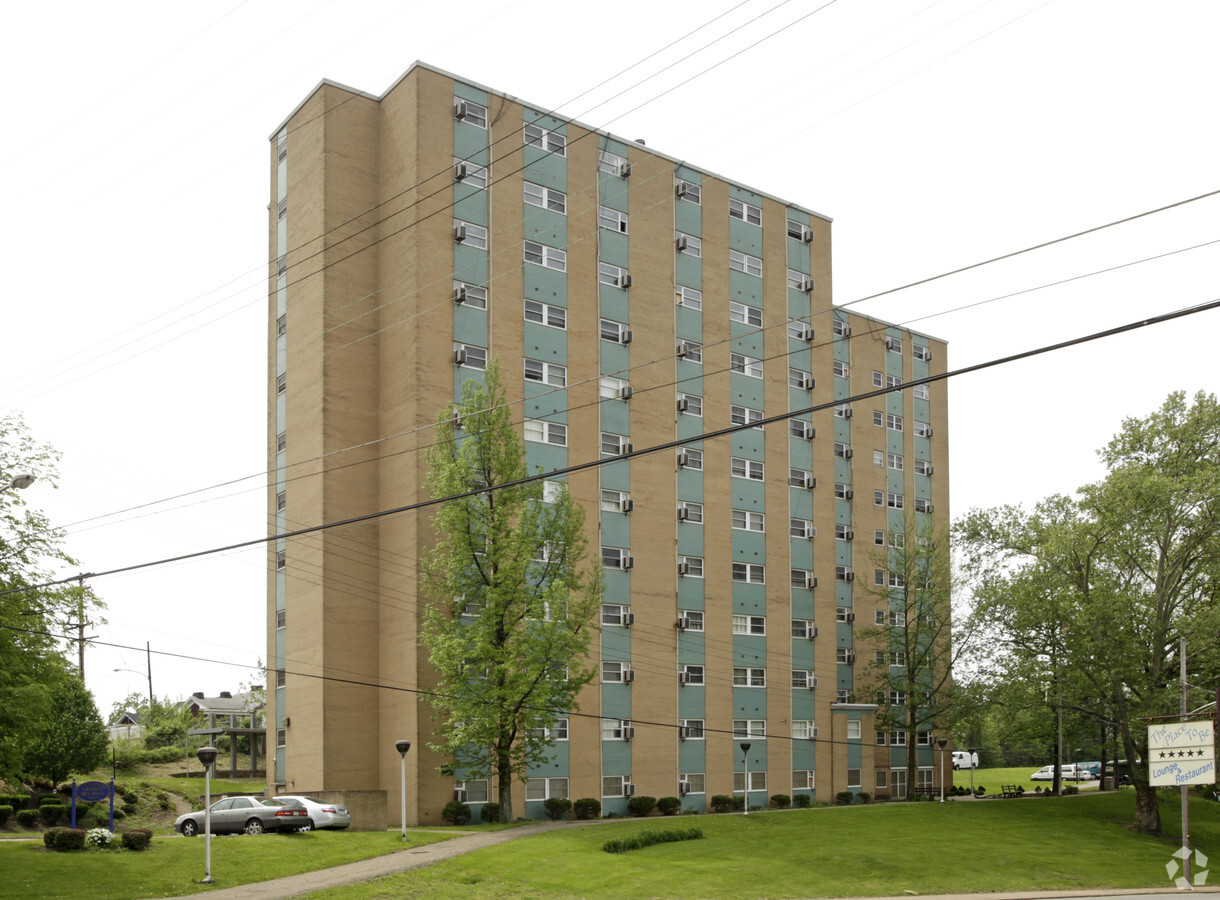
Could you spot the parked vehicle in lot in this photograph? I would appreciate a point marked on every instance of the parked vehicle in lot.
(964, 760)
(1071, 772)
(251, 815)
(323, 815)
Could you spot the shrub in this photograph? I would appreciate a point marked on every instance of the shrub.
(802, 801)
(648, 838)
(98, 838)
(136, 839)
(128, 795)
(781, 801)
(980, 791)
(456, 812)
(49, 836)
(52, 812)
(843, 798)
(1070, 789)
(119, 813)
(64, 839)
(864, 797)
(722, 803)
(6, 813)
(641, 807)
(491, 812)
(27, 818)
(669, 806)
(1020, 789)
(557, 808)
(587, 808)
(880, 796)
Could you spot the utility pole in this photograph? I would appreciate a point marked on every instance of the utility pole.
(1184, 789)
(80, 629)
(148, 651)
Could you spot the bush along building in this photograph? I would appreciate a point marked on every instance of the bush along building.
(631, 300)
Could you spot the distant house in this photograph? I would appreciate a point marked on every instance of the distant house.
(128, 727)
(234, 715)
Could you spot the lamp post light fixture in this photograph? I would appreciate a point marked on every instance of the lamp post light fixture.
(207, 756)
(402, 747)
(941, 742)
(972, 751)
(20, 481)
(745, 750)
(1076, 763)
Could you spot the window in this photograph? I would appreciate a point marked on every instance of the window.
(878, 498)
(691, 566)
(281, 326)
(894, 461)
(469, 356)
(691, 404)
(802, 578)
(471, 235)
(923, 506)
(758, 781)
(612, 164)
(799, 281)
(616, 558)
(687, 190)
(694, 780)
(546, 373)
(281, 501)
(802, 779)
(923, 467)
(747, 520)
(923, 739)
(544, 432)
(612, 785)
(843, 655)
(280, 678)
(614, 501)
(690, 459)
(921, 392)
(614, 672)
(693, 512)
(750, 625)
(281, 737)
(691, 351)
(839, 328)
(879, 538)
(843, 532)
(878, 457)
(613, 331)
(614, 614)
(542, 255)
(799, 330)
(739, 312)
(804, 679)
(282, 210)
(897, 698)
(842, 450)
(611, 219)
(469, 174)
(801, 478)
(688, 244)
(840, 369)
(923, 429)
(878, 378)
(894, 501)
(545, 314)
(550, 141)
(745, 211)
(894, 345)
(281, 266)
(801, 528)
(614, 444)
(797, 231)
(893, 381)
(743, 262)
(804, 729)
(551, 491)
(470, 112)
(694, 730)
(749, 573)
(853, 778)
(614, 729)
(853, 729)
(558, 731)
(694, 674)
(879, 577)
(611, 388)
(881, 782)
(919, 351)
(689, 297)
(546, 788)
(804, 629)
(802, 381)
(281, 384)
(693, 617)
(898, 738)
(281, 442)
(843, 492)
(746, 365)
(470, 295)
(893, 423)
(879, 738)
(281, 618)
(898, 539)
(750, 728)
(843, 696)
(546, 198)
(281, 560)
(747, 468)
(743, 415)
(844, 573)
(613, 276)
(842, 411)
(843, 614)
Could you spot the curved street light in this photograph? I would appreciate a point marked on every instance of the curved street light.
(20, 481)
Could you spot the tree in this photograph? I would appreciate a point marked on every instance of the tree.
(1102, 587)
(514, 606)
(911, 673)
(72, 739)
(30, 548)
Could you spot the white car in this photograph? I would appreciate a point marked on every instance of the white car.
(322, 815)
(1070, 772)
(964, 760)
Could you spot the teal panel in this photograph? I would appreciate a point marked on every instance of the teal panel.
(616, 416)
(747, 289)
(746, 391)
(842, 593)
(843, 680)
(541, 283)
(842, 386)
(921, 409)
(612, 191)
(469, 264)
(281, 409)
(688, 270)
(800, 502)
(548, 403)
(853, 753)
(842, 430)
(749, 703)
(545, 226)
(281, 581)
(556, 764)
(615, 358)
(692, 755)
(800, 455)
(800, 356)
(469, 92)
(281, 703)
(281, 180)
(691, 701)
(689, 426)
(690, 375)
(798, 399)
(616, 530)
(802, 658)
(802, 607)
(613, 303)
(280, 642)
(749, 546)
(470, 325)
(842, 351)
(690, 592)
(751, 344)
(842, 471)
(803, 705)
(547, 169)
(843, 511)
(801, 553)
(690, 481)
(618, 584)
(616, 645)
(897, 521)
(688, 218)
(461, 376)
(798, 254)
(616, 476)
(544, 456)
(749, 495)
(612, 248)
(470, 142)
(799, 304)
(893, 441)
(923, 487)
(470, 205)
(893, 481)
(541, 342)
(686, 173)
(745, 237)
(751, 599)
(545, 120)
(749, 443)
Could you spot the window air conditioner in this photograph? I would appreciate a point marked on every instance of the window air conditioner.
(851, 617)
(628, 505)
(628, 562)
(851, 576)
(683, 459)
(628, 448)
(460, 171)
(459, 794)
(811, 580)
(624, 280)
(459, 294)
(623, 170)
(929, 432)
(928, 470)
(805, 382)
(931, 508)
(806, 235)
(683, 732)
(847, 413)
(851, 658)
(628, 619)
(459, 356)
(683, 568)
(628, 787)
(847, 331)
(683, 403)
(806, 334)
(625, 392)
(681, 349)
(849, 453)
(813, 682)
(629, 732)
(806, 285)
(808, 482)
(624, 336)
(628, 677)
(683, 678)
(459, 233)
(683, 788)
(849, 535)
(680, 189)
(848, 494)
(813, 632)
(680, 243)
(459, 109)
(890, 343)
(683, 515)
(807, 431)
(683, 623)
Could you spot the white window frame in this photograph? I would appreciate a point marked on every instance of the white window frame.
(922, 429)
(746, 314)
(840, 369)
(476, 175)
(841, 491)
(694, 511)
(755, 625)
(695, 730)
(803, 629)
(692, 194)
(611, 441)
(922, 505)
(694, 245)
(610, 387)
(546, 373)
(801, 528)
(919, 351)
(749, 573)
(797, 477)
(744, 415)
(609, 330)
(895, 461)
(749, 520)
(694, 566)
(546, 314)
(476, 235)
(610, 163)
(475, 295)
(695, 675)
(611, 275)
(694, 618)
(541, 255)
(895, 501)
(541, 431)
(615, 557)
(612, 500)
(693, 351)
(804, 729)
(476, 113)
(921, 392)
(758, 781)
(750, 728)
(612, 672)
(803, 680)
(545, 198)
(544, 139)
(893, 422)
(751, 469)
(923, 467)
(609, 782)
(746, 212)
(694, 404)
(690, 297)
(749, 676)
(744, 262)
(476, 357)
(746, 365)
(611, 220)
(615, 614)
(694, 458)
(612, 730)
(546, 788)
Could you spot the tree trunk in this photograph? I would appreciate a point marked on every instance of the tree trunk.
(1147, 813)
(504, 777)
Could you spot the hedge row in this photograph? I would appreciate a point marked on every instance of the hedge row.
(648, 838)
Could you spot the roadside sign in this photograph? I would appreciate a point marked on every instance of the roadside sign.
(93, 791)
(1180, 754)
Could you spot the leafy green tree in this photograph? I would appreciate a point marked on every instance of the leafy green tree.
(513, 603)
(30, 549)
(73, 739)
(1102, 587)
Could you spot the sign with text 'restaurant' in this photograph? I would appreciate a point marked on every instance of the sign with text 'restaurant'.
(1181, 753)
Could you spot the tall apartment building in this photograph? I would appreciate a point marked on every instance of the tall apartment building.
(632, 300)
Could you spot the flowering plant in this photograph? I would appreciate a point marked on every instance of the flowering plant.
(98, 838)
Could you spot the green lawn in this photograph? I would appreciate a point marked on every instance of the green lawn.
(992, 779)
(880, 850)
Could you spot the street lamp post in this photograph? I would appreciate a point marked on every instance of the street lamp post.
(745, 751)
(941, 742)
(207, 756)
(20, 482)
(1076, 763)
(402, 747)
(972, 751)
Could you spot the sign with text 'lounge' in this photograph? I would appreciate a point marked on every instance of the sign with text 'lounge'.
(1180, 754)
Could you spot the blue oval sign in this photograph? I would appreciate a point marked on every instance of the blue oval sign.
(93, 791)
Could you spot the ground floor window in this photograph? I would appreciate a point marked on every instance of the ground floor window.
(546, 788)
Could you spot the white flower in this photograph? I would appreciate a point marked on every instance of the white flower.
(99, 838)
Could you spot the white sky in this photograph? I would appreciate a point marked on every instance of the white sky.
(936, 133)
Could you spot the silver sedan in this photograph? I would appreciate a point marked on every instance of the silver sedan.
(251, 815)
(323, 815)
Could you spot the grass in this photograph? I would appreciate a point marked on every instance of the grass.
(993, 779)
(886, 850)
(172, 866)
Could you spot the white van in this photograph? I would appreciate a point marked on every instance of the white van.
(964, 760)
